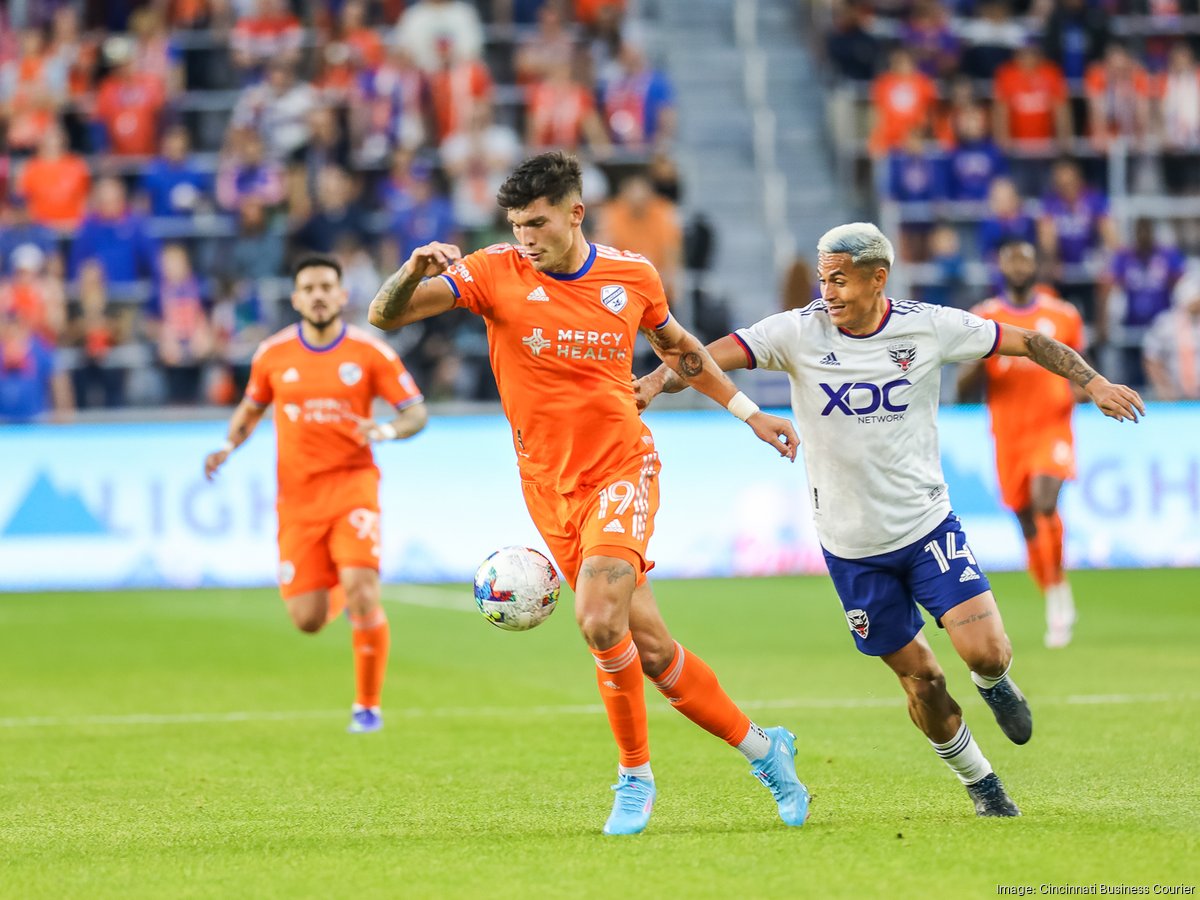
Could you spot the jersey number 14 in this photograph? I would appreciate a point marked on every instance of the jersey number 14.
(953, 551)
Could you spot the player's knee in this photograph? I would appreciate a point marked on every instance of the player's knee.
(362, 598)
(309, 621)
(599, 625)
(990, 657)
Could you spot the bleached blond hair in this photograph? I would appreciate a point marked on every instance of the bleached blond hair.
(863, 242)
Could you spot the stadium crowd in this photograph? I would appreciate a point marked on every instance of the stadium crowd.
(163, 162)
(980, 120)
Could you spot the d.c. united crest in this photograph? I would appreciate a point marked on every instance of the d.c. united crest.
(859, 623)
(903, 354)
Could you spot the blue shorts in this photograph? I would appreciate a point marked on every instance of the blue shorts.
(880, 593)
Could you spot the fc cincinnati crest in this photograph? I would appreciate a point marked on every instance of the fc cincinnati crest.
(613, 297)
(859, 623)
(903, 354)
(350, 373)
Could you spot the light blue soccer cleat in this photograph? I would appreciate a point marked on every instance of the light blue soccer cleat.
(632, 805)
(365, 719)
(777, 770)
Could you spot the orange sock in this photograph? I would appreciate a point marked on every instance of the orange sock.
(1050, 537)
(337, 603)
(1037, 561)
(693, 689)
(370, 637)
(619, 674)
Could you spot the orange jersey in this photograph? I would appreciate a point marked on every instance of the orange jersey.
(1023, 398)
(561, 347)
(319, 395)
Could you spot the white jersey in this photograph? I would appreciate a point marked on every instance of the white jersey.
(866, 411)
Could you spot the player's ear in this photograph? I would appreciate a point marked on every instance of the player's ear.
(577, 212)
(880, 278)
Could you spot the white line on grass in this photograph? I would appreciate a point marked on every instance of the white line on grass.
(463, 712)
(433, 598)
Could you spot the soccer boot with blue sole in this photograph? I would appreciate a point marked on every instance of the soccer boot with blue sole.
(777, 770)
(365, 719)
(1011, 710)
(631, 806)
(991, 800)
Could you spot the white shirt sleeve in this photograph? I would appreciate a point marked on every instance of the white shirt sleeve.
(771, 342)
(962, 335)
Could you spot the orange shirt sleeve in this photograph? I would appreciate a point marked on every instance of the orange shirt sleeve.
(258, 387)
(657, 312)
(471, 278)
(392, 382)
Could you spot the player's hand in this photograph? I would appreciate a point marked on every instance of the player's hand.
(645, 389)
(776, 431)
(213, 461)
(1115, 400)
(433, 259)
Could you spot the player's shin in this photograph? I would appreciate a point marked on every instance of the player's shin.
(371, 639)
(963, 756)
(692, 689)
(619, 676)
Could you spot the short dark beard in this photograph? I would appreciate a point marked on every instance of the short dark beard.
(1020, 292)
(335, 321)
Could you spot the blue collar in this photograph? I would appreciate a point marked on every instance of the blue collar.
(583, 270)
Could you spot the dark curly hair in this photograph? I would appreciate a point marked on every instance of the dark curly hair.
(316, 261)
(552, 175)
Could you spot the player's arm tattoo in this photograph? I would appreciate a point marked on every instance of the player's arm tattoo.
(1058, 358)
(691, 364)
(614, 572)
(392, 299)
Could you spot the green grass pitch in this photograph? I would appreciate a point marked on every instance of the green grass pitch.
(191, 744)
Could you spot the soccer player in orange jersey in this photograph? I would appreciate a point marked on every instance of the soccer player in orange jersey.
(1031, 421)
(562, 316)
(323, 375)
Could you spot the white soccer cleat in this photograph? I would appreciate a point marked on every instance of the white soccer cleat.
(1060, 615)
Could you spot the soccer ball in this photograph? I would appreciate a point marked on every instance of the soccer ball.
(516, 588)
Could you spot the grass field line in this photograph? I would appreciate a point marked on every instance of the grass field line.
(456, 598)
(457, 712)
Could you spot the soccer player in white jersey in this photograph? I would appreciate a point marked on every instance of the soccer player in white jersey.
(865, 373)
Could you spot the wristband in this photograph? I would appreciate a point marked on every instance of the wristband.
(742, 406)
(386, 432)
(228, 447)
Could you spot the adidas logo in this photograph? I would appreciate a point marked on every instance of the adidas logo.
(612, 685)
(830, 360)
(289, 376)
(538, 294)
(615, 527)
(968, 574)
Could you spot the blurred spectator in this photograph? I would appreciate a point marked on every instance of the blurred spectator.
(477, 161)
(1146, 274)
(179, 326)
(278, 108)
(244, 172)
(129, 102)
(257, 252)
(1180, 112)
(55, 183)
(1030, 106)
(916, 171)
(852, 47)
(78, 54)
(1171, 352)
(664, 176)
(30, 382)
(550, 47)
(33, 295)
(336, 214)
(591, 13)
(115, 237)
(328, 146)
(606, 37)
(32, 88)
(392, 108)
(156, 54)
(949, 266)
(366, 48)
(394, 192)
(239, 323)
(172, 182)
(975, 160)
(562, 113)
(637, 219)
(360, 277)
(423, 215)
(456, 86)
(1005, 219)
(1076, 35)
(18, 230)
(96, 328)
(928, 36)
(1118, 93)
(992, 37)
(799, 286)
(270, 35)
(902, 99)
(1074, 224)
(427, 24)
(337, 76)
(639, 104)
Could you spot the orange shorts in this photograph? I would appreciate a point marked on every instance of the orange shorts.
(614, 519)
(312, 552)
(1047, 452)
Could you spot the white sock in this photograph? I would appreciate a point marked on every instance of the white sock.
(987, 683)
(963, 756)
(755, 745)
(643, 771)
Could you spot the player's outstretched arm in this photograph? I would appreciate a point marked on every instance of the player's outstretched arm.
(1115, 400)
(414, 292)
(408, 422)
(688, 360)
(725, 352)
(245, 418)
